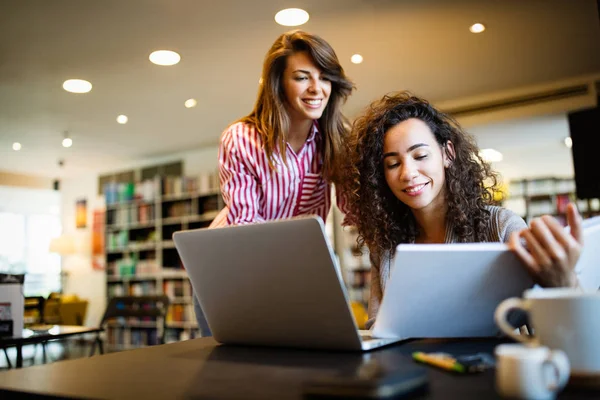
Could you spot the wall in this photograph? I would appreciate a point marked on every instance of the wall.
(83, 280)
(28, 181)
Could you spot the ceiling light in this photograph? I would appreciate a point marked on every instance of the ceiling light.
(77, 86)
(477, 28)
(356, 58)
(16, 146)
(189, 103)
(568, 142)
(490, 155)
(291, 17)
(122, 119)
(164, 57)
(67, 141)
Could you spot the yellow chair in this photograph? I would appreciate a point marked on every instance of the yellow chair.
(360, 314)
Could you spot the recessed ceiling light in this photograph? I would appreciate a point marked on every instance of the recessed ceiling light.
(568, 142)
(477, 28)
(77, 86)
(16, 146)
(164, 57)
(291, 17)
(189, 103)
(67, 142)
(491, 155)
(122, 119)
(356, 58)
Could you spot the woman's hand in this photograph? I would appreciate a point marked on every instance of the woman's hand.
(550, 253)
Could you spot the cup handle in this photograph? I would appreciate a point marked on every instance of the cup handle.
(501, 313)
(559, 362)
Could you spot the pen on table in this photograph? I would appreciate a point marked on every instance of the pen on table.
(444, 362)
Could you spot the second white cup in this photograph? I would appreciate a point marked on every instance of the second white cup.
(526, 372)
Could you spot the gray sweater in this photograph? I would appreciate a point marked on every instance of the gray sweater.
(503, 222)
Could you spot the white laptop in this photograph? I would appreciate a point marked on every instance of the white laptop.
(448, 290)
(272, 284)
(588, 265)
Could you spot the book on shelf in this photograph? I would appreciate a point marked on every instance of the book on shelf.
(149, 190)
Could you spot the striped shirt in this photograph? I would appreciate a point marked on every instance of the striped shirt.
(253, 192)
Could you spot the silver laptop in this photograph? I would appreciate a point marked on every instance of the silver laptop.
(272, 284)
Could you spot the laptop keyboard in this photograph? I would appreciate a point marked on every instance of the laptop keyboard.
(367, 337)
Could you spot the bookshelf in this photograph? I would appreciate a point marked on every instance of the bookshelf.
(141, 258)
(532, 198)
(356, 267)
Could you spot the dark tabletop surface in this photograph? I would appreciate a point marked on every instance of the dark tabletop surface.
(201, 368)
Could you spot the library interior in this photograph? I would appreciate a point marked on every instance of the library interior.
(107, 150)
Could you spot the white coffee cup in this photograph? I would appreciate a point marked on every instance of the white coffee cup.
(561, 318)
(526, 372)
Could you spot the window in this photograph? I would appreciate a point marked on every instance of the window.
(28, 221)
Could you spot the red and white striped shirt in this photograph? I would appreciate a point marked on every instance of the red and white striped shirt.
(253, 192)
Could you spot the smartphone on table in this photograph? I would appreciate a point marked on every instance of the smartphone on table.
(370, 380)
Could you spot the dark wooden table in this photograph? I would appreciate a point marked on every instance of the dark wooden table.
(200, 368)
(42, 334)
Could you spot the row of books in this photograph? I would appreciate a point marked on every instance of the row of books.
(177, 288)
(360, 295)
(177, 335)
(176, 185)
(115, 290)
(116, 241)
(358, 277)
(149, 189)
(127, 267)
(130, 215)
(179, 209)
(533, 187)
(132, 337)
(181, 313)
(142, 288)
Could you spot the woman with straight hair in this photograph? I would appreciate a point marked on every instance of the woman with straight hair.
(280, 160)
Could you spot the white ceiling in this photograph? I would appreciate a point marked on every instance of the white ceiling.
(531, 147)
(421, 45)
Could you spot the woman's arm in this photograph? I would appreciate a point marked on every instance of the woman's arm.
(240, 188)
(550, 253)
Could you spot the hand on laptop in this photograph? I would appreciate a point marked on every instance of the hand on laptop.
(550, 252)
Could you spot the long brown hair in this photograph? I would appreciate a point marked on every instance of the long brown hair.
(382, 220)
(270, 116)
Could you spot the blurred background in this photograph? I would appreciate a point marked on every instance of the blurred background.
(92, 185)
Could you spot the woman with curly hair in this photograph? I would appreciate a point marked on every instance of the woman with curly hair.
(417, 177)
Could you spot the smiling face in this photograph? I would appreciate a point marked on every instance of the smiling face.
(414, 165)
(306, 89)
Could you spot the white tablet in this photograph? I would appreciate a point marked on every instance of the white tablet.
(448, 290)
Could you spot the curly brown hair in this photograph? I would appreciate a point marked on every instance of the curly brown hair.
(382, 220)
